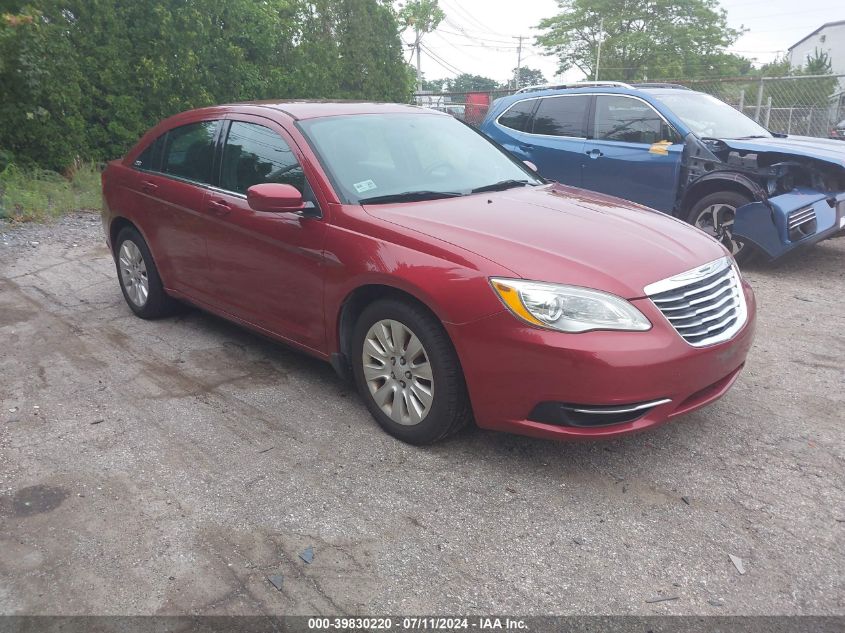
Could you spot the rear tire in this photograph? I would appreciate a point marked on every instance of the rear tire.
(139, 278)
(714, 214)
(408, 373)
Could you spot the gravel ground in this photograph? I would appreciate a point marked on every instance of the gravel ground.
(170, 467)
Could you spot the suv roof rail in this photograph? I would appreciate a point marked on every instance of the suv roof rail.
(575, 84)
(659, 85)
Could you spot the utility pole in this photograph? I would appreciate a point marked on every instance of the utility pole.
(419, 69)
(518, 79)
(598, 53)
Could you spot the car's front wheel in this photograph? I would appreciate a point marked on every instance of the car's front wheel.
(715, 214)
(408, 373)
(138, 275)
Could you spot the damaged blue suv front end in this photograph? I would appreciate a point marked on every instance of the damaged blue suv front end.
(681, 152)
(797, 184)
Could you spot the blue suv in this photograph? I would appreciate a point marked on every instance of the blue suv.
(682, 152)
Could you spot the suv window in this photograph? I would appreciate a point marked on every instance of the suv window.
(255, 154)
(189, 151)
(517, 116)
(629, 120)
(561, 116)
(150, 158)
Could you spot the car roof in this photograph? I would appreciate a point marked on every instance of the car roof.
(311, 109)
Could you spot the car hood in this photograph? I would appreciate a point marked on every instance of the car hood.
(563, 235)
(829, 150)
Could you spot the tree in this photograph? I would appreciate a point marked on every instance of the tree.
(640, 39)
(471, 83)
(421, 16)
(86, 78)
(818, 63)
(527, 77)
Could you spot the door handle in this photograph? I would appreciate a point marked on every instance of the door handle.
(594, 153)
(219, 208)
(148, 187)
(526, 148)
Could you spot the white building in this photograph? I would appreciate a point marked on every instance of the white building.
(828, 38)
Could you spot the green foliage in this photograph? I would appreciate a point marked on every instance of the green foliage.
(421, 16)
(85, 78)
(818, 63)
(642, 39)
(468, 83)
(37, 194)
(528, 77)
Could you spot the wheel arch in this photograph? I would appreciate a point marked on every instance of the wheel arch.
(351, 308)
(713, 183)
(117, 224)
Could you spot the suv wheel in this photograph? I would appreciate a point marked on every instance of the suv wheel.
(714, 214)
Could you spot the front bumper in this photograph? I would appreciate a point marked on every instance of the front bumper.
(767, 224)
(510, 368)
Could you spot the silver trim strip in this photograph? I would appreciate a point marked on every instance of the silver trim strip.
(639, 407)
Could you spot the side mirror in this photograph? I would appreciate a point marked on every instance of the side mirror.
(530, 165)
(272, 197)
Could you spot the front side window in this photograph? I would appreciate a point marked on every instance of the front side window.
(254, 155)
(561, 116)
(518, 115)
(189, 151)
(629, 120)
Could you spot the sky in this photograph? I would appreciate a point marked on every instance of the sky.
(479, 36)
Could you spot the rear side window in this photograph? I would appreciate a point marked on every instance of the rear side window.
(562, 116)
(629, 120)
(189, 151)
(518, 115)
(254, 155)
(150, 158)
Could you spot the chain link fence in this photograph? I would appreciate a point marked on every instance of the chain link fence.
(809, 105)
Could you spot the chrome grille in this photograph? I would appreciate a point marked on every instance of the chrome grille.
(705, 305)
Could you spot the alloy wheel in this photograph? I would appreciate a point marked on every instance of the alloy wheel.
(397, 372)
(133, 273)
(717, 220)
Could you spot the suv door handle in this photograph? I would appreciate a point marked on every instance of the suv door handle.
(526, 148)
(218, 208)
(594, 153)
(148, 187)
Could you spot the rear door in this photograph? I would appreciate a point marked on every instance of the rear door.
(556, 143)
(632, 152)
(266, 267)
(175, 172)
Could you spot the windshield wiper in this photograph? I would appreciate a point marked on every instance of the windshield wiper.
(501, 185)
(409, 196)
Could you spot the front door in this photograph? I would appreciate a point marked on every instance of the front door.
(267, 268)
(632, 153)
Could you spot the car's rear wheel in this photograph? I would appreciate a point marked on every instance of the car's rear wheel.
(715, 214)
(408, 373)
(138, 276)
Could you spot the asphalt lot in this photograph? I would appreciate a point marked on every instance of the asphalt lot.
(171, 467)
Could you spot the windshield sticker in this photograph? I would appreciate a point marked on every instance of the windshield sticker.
(364, 185)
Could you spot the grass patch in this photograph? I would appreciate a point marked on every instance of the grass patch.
(37, 195)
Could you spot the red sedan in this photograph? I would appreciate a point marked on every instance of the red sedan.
(441, 274)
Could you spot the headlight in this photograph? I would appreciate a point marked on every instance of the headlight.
(568, 308)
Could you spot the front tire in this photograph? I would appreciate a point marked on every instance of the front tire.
(139, 278)
(715, 213)
(408, 373)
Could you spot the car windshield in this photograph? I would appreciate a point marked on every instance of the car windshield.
(379, 158)
(709, 117)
